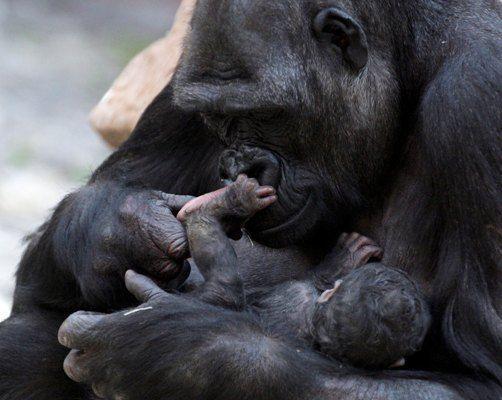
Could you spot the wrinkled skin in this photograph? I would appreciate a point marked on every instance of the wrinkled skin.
(380, 117)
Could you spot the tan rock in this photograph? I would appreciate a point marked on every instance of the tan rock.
(145, 76)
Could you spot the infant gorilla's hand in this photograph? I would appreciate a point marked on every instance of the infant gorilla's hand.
(354, 250)
(97, 350)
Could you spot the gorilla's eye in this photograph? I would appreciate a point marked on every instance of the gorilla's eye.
(338, 29)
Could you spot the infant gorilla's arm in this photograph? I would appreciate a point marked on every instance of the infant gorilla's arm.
(208, 220)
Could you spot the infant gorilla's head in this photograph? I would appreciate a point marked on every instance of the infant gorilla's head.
(373, 318)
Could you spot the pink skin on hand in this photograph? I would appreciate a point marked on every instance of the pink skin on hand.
(197, 202)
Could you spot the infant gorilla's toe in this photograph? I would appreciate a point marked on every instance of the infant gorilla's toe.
(246, 197)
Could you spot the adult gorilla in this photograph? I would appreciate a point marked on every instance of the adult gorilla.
(377, 116)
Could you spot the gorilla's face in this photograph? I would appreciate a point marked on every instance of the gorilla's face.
(295, 92)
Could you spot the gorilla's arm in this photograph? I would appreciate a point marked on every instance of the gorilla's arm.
(122, 218)
(192, 350)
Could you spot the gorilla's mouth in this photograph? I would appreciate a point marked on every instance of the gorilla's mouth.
(285, 231)
(291, 221)
(299, 207)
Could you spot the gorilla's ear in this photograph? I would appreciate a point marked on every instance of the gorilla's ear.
(333, 26)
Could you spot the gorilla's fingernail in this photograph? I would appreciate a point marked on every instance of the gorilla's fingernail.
(62, 337)
(72, 368)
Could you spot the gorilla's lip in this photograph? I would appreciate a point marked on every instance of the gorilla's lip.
(268, 233)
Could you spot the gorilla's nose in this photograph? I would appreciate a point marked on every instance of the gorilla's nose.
(255, 162)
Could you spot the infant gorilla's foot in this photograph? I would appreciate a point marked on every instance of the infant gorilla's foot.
(355, 250)
(243, 198)
(238, 201)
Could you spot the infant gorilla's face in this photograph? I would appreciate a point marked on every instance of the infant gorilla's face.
(372, 318)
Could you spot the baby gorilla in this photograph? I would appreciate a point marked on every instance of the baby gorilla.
(367, 315)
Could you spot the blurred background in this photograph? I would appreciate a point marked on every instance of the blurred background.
(58, 57)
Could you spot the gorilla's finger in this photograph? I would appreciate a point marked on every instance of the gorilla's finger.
(164, 269)
(162, 231)
(143, 288)
(75, 367)
(76, 331)
(182, 276)
(175, 202)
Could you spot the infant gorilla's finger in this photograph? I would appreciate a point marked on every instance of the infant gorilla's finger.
(342, 239)
(143, 288)
(362, 241)
(351, 239)
(76, 330)
(75, 367)
(367, 253)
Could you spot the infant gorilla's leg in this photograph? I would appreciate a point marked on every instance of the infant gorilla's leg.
(351, 251)
(208, 219)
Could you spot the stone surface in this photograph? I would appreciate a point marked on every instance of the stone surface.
(58, 58)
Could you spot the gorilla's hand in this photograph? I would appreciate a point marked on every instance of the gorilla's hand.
(150, 234)
(176, 347)
(105, 354)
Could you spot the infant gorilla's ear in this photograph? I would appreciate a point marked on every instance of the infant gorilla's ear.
(328, 294)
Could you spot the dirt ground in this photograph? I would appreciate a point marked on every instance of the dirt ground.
(57, 59)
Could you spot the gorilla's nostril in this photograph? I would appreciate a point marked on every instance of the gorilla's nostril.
(230, 165)
(263, 173)
(255, 162)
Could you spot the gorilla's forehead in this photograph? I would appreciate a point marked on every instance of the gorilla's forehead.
(268, 18)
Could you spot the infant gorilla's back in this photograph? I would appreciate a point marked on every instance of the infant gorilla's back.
(285, 309)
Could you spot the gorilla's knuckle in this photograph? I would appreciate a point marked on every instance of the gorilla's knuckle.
(73, 368)
(156, 296)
